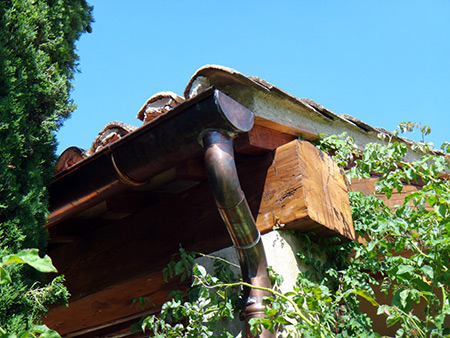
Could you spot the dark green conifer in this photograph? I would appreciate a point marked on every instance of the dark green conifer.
(37, 62)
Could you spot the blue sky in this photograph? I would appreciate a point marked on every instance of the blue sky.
(384, 61)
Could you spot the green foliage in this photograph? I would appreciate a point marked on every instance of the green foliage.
(37, 62)
(405, 254)
(26, 256)
(41, 331)
(407, 246)
(201, 311)
(35, 296)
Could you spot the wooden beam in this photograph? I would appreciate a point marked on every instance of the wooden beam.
(261, 139)
(367, 186)
(192, 169)
(306, 191)
(110, 305)
(120, 328)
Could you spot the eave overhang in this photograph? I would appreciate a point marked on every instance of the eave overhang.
(132, 161)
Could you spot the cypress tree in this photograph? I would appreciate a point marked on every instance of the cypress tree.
(37, 63)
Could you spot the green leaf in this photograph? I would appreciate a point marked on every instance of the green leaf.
(270, 312)
(400, 245)
(282, 320)
(404, 297)
(402, 300)
(179, 268)
(5, 278)
(439, 320)
(383, 309)
(200, 270)
(442, 210)
(431, 200)
(30, 257)
(402, 269)
(428, 271)
(366, 296)
(412, 195)
(422, 286)
(44, 331)
(391, 320)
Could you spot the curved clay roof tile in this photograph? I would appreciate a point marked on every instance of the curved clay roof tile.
(158, 104)
(69, 157)
(109, 134)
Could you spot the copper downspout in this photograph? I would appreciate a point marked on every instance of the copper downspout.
(236, 214)
(211, 118)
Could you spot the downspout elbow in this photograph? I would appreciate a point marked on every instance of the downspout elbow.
(237, 216)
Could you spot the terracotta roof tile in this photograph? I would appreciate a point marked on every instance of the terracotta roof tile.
(112, 132)
(244, 89)
(69, 157)
(158, 104)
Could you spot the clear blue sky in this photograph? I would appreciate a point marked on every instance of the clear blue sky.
(381, 61)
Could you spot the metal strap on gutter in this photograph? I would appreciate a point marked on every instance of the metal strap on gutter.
(123, 177)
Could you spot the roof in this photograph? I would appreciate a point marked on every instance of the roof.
(120, 209)
(273, 107)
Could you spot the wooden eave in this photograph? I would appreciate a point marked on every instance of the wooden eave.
(114, 251)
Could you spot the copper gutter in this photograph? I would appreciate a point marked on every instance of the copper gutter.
(211, 120)
(139, 156)
(236, 214)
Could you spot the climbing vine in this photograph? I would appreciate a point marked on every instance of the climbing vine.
(399, 265)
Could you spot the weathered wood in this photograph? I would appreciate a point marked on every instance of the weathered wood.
(108, 262)
(142, 242)
(192, 169)
(300, 187)
(104, 267)
(125, 248)
(119, 328)
(306, 191)
(111, 304)
(299, 130)
(261, 139)
(367, 186)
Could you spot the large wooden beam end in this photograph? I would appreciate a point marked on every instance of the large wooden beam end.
(305, 190)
